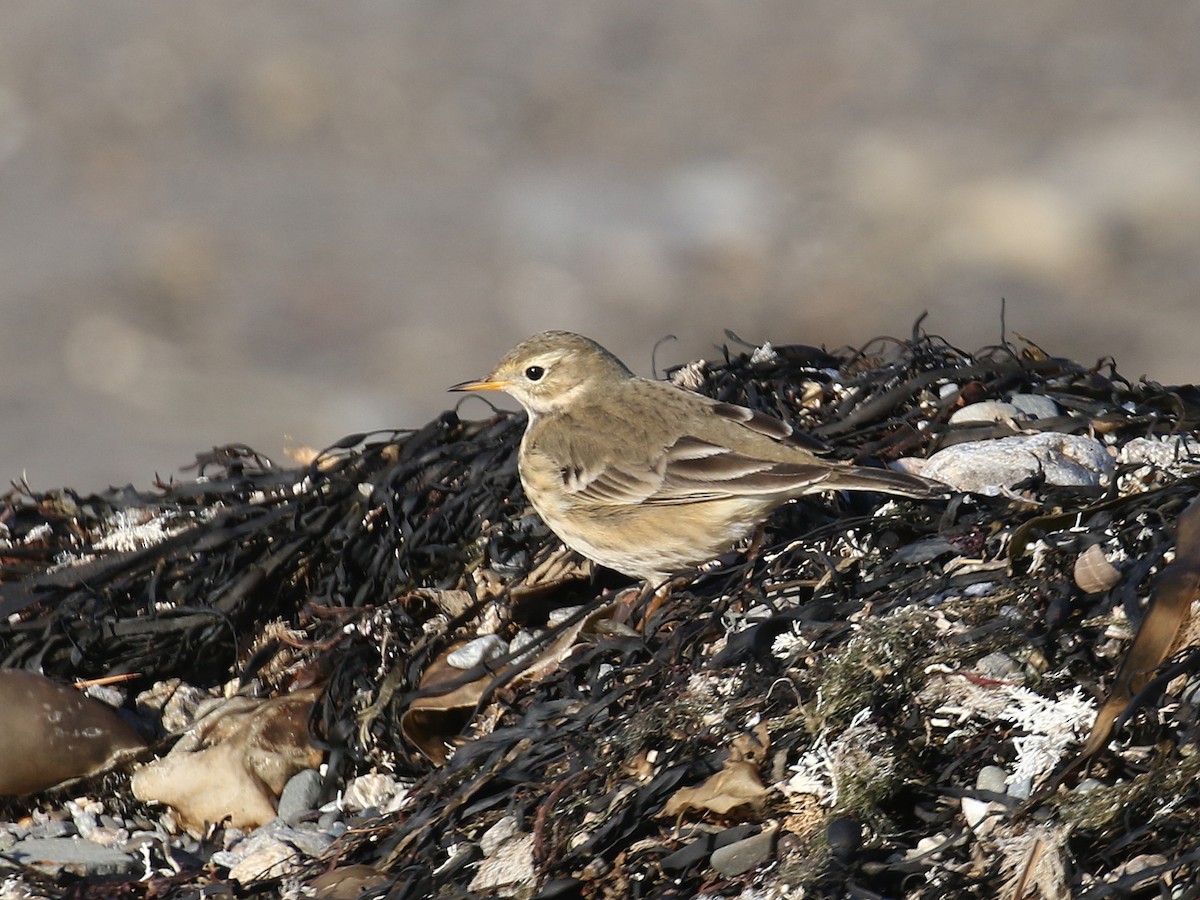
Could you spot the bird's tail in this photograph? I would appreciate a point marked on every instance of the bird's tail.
(887, 482)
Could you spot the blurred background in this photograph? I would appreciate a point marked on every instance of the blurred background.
(280, 222)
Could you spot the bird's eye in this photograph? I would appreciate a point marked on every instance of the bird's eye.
(535, 373)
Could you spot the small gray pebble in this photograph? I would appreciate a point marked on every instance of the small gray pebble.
(744, 855)
(300, 794)
(845, 838)
(55, 828)
(992, 778)
(337, 829)
(1034, 406)
(73, 854)
(1021, 788)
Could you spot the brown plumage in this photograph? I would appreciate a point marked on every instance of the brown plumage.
(647, 478)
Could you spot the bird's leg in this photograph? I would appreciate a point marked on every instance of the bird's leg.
(655, 596)
(753, 549)
(626, 601)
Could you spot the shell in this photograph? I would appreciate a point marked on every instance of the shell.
(482, 649)
(1094, 573)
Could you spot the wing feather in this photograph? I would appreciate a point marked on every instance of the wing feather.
(686, 468)
(768, 425)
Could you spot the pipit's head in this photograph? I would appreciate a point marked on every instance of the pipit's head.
(549, 370)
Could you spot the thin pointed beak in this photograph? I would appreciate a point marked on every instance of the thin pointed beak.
(484, 385)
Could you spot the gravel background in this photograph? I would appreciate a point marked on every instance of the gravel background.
(281, 222)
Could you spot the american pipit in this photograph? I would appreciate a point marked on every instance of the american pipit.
(647, 478)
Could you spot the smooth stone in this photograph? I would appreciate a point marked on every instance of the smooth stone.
(992, 778)
(744, 855)
(77, 855)
(845, 839)
(300, 795)
(977, 811)
(55, 828)
(1000, 667)
(992, 467)
(53, 733)
(1034, 406)
(984, 412)
(1021, 788)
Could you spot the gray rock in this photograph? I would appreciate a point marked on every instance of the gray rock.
(992, 467)
(71, 854)
(54, 828)
(308, 839)
(744, 855)
(1034, 406)
(336, 830)
(300, 795)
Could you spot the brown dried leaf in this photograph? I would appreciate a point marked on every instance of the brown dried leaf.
(737, 785)
(431, 722)
(1176, 586)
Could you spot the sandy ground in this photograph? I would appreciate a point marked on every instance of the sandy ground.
(281, 222)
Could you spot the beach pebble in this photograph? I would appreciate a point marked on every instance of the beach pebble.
(985, 411)
(845, 838)
(744, 855)
(1021, 407)
(52, 733)
(300, 794)
(981, 814)
(71, 854)
(1034, 406)
(995, 466)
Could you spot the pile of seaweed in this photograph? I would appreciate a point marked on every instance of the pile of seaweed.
(808, 719)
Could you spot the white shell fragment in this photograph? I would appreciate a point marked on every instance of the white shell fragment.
(1094, 573)
(991, 467)
(482, 649)
(1175, 456)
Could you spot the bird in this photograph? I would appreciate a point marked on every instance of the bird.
(650, 479)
